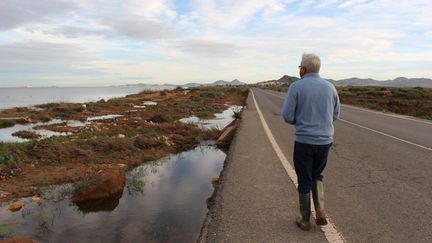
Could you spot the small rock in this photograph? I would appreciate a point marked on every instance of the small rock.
(36, 199)
(3, 194)
(121, 136)
(214, 181)
(15, 206)
(83, 108)
(105, 185)
(210, 202)
(227, 135)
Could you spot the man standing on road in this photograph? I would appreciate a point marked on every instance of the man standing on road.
(311, 105)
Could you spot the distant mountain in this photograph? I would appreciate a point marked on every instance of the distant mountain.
(287, 79)
(216, 83)
(237, 82)
(397, 82)
(283, 81)
(190, 85)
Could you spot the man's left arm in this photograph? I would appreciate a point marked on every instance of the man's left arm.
(336, 112)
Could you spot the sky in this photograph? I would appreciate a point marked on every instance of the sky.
(106, 42)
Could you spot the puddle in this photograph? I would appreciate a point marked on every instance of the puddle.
(75, 123)
(163, 201)
(219, 122)
(149, 103)
(105, 117)
(6, 133)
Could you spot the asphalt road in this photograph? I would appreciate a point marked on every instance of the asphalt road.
(378, 182)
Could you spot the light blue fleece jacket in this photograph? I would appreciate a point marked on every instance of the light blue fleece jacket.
(311, 105)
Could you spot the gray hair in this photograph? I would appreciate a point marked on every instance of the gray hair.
(311, 62)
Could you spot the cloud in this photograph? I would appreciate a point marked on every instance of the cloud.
(134, 19)
(45, 62)
(143, 30)
(175, 41)
(13, 13)
(228, 14)
(351, 3)
(71, 31)
(326, 3)
(137, 30)
(209, 49)
(37, 53)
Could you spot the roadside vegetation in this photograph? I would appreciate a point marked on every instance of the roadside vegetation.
(406, 101)
(416, 101)
(143, 133)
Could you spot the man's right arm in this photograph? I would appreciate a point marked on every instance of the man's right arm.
(289, 107)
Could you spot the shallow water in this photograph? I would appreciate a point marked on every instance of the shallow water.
(7, 137)
(163, 201)
(219, 122)
(13, 97)
(6, 133)
(149, 103)
(104, 117)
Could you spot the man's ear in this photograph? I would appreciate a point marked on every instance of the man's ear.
(302, 71)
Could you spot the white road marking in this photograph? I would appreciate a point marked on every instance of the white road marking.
(329, 230)
(390, 115)
(387, 135)
(373, 130)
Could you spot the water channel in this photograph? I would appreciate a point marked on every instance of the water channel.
(163, 201)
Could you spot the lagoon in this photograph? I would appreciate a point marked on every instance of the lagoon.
(23, 96)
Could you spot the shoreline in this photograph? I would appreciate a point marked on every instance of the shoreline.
(34, 96)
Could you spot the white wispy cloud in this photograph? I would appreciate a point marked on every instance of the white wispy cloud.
(182, 41)
(13, 13)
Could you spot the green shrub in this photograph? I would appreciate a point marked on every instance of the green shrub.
(26, 134)
(8, 161)
(178, 88)
(237, 113)
(82, 185)
(6, 123)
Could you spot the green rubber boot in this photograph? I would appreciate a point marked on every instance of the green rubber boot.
(303, 222)
(318, 199)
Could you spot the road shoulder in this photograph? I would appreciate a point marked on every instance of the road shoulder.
(255, 200)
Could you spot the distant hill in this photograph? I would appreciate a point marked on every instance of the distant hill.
(283, 81)
(397, 82)
(216, 83)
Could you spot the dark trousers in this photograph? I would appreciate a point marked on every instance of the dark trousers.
(309, 162)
